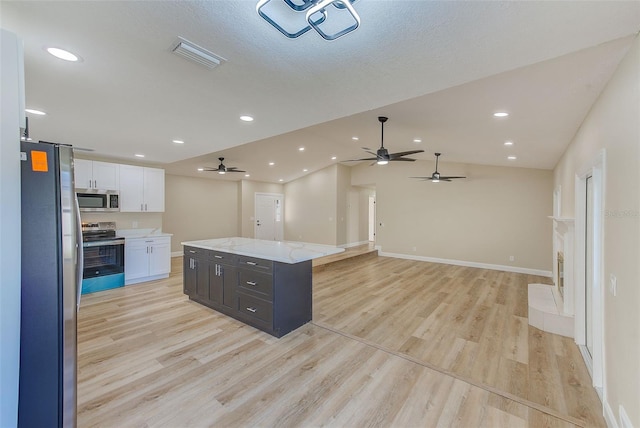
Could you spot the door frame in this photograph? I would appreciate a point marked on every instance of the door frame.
(596, 169)
(280, 224)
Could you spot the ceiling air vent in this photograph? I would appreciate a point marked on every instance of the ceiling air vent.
(197, 54)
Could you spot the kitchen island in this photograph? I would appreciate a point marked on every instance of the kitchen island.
(266, 284)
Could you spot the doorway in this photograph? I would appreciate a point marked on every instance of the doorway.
(269, 210)
(589, 265)
(372, 218)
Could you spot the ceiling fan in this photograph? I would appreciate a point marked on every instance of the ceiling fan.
(222, 169)
(436, 177)
(382, 156)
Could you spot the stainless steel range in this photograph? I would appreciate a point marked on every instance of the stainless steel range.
(103, 257)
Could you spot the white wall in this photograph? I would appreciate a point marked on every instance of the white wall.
(495, 213)
(199, 208)
(10, 239)
(247, 201)
(613, 124)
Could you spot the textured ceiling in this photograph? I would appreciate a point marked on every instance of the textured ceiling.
(437, 69)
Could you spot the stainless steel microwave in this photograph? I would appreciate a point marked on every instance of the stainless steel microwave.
(99, 200)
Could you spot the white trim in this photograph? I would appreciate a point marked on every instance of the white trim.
(625, 422)
(177, 254)
(595, 168)
(610, 417)
(515, 269)
(353, 244)
(146, 279)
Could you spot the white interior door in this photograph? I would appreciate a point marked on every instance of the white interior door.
(588, 264)
(372, 218)
(269, 216)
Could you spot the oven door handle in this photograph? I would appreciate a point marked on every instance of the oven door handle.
(103, 243)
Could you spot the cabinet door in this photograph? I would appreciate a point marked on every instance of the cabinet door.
(202, 278)
(131, 188)
(82, 173)
(215, 283)
(153, 190)
(189, 276)
(229, 283)
(106, 176)
(160, 256)
(136, 259)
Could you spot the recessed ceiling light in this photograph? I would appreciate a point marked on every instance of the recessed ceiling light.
(333, 158)
(200, 169)
(417, 140)
(33, 111)
(62, 54)
(508, 143)
(246, 118)
(138, 155)
(355, 138)
(247, 175)
(178, 141)
(305, 170)
(512, 157)
(501, 114)
(301, 149)
(281, 179)
(271, 163)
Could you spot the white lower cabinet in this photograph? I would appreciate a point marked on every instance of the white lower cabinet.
(146, 259)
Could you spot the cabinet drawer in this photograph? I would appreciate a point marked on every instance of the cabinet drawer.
(195, 252)
(256, 309)
(220, 257)
(257, 282)
(255, 263)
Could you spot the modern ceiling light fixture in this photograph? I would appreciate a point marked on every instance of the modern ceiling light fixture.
(508, 143)
(501, 114)
(246, 118)
(330, 18)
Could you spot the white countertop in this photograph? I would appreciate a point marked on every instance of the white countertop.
(141, 233)
(279, 251)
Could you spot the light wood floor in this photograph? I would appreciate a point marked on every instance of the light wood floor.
(393, 343)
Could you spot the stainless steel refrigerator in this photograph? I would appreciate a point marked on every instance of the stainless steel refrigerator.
(51, 281)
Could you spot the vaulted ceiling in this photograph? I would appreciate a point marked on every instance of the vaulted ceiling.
(437, 69)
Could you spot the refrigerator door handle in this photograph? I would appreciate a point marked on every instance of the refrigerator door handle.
(79, 254)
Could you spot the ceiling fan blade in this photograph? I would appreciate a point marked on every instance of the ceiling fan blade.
(356, 160)
(410, 152)
(422, 178)
(449, 178)
(209, 169)
(402, 159)
(234, 169)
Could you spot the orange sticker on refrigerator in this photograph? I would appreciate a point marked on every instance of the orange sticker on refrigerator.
(39, 161)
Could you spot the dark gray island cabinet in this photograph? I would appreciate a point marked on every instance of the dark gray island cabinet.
(271, 295)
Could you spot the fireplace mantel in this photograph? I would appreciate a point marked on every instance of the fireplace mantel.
(563, 236)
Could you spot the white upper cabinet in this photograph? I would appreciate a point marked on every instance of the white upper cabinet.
(96, 175)
(141, 189)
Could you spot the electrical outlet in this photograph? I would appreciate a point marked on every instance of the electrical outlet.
(613, 284)
(134, 224)
(512, 258)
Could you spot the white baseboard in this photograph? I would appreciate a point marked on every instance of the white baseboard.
(353, 244)
(177, 254)
(515, 269)
(609, 417)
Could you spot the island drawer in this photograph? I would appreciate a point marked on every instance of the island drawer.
(220, 257)
(256, 309)
(195, 252)
(260, 283)
(255, 263)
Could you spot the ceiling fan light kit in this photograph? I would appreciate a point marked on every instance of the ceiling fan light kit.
(436, 177)
(382, 155)
(222, 169)
(330, 18)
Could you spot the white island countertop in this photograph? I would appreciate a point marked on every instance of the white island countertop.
(278, 251)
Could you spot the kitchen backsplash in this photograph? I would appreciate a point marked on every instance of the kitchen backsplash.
(126, 220)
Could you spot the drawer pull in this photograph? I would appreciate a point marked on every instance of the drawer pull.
(192, 252)
(252, 283)
(252, 263)
(218, 257)
(252, 310)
